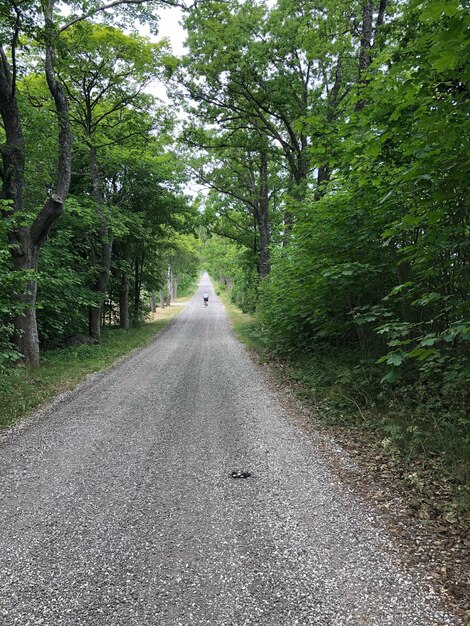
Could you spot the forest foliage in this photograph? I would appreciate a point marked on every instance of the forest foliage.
(346, 123)
(96, 226)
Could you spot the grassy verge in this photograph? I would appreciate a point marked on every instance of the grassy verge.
(62, 369)
(242, 322)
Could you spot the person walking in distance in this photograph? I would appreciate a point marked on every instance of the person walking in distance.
(205, 297)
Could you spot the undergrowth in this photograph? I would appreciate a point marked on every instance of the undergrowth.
(417, 429)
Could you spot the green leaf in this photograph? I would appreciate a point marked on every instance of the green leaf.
(393, 358)
(391, 376)
(446, 60)
(433, 10)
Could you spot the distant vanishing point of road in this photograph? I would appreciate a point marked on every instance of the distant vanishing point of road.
(118, 506)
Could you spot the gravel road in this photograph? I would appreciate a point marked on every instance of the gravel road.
(118, 506)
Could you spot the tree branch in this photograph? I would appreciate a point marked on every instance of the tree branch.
(116, 3)
(14, 43)
(225, 192)
(54, 205)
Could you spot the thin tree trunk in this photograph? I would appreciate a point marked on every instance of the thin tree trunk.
(366, 37)
(324, 171)
(264, 237)
(153, 304)
(124, 302)
(136, 288)
(323, 177)
(168, 285)
(366, 43)
(138, 274)
(255, 239)
(106, 244)
(263, 218)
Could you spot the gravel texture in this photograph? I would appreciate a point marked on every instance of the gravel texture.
(118, 506)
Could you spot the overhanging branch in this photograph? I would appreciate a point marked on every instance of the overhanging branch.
(116, 3)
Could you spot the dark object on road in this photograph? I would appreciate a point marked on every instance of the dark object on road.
(240, 474)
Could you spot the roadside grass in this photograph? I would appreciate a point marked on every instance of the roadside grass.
(243, 323)
(63, 368)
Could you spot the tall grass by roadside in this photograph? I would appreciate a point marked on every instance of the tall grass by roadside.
(242, 323)
(62, 369)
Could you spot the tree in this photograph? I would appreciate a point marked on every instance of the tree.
(243, 167)
(41, 22)
(26, 236)
(267, 89)
(293, 82)
(146, 181)
(105, 73)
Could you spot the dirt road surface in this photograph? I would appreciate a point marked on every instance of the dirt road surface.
(118, 507)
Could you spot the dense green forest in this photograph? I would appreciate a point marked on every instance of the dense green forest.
(331, 144)
(95, 222)
(333, 140)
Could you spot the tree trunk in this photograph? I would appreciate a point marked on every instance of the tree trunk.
(263, 218)
(255, 237)
(26, 332)
(94, 322)
(323, 177)
(324, 171)
(168, 285)
(153, 304)
(124, 302)
(264, 265)
(365, 56)
(136, 288)
(138, 273)
(26, 241)
(101, 284)
(366, 37)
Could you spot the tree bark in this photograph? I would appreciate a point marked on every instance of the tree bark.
(324, 171)
(138, 272)
(25, 258)
(168, 285)
(101, 284)
(323, 176)
(124, 302)
(263, 218)
(153, 304)
(368, 39)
